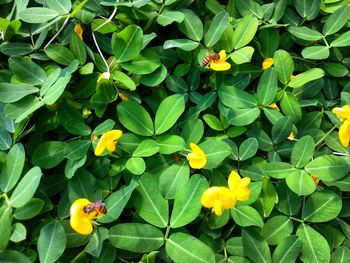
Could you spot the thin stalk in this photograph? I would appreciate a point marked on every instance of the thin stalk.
(58, 32)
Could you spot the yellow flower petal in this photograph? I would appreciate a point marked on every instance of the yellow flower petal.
(220, 66)
(344, 133)
(108, 141)
(79, 30)
(343, 112)
(291, 137)
(239, 186)
(78, 219)
(267, 63)
(222, 55)
(197, 158)
(218, 198)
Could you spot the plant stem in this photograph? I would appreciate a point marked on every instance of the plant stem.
(58, 32)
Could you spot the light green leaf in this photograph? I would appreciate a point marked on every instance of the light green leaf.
(303, 151)
(37, 14)
(146, 148)
(307, 8)
(19, 233)
(16, 49)
(135, 237)
(287, 250)
(328, 167)
(245, 31)
(5, 226)
(168, 113)
(267, 87)
(59, 54)
(301, 183)
(248, 149)
(127, 44)
(14, 92)
(26, 188)
(322, 207)
(255, 246)
(305, 33)
(169, 144)
(242, 117)
(136, 165)
(217, 27)
(49, 154)
(342, 41)
(21, 109)
(279, 170)
(51, 242)
(169, 16)
(216, 151)
(182, 43)
(27, 71)
(145, 63)
(191, 25)
(290, 106)
(13, 256)
(61, 6)
(242, 55)
(183, 247)
(135, 118)
(336, 20)
(235, 98)
(316, 52)
(11, 170)
(305, 77)
(284, 65)
(276, 229)
(244, 216)
(314, 246)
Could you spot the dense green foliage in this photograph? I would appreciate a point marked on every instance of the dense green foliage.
(55, 104)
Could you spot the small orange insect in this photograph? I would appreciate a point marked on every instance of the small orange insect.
(210, 58)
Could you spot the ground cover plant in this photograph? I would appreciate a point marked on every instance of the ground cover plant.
(174, 131)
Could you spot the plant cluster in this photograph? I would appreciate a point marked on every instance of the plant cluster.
(174, 131)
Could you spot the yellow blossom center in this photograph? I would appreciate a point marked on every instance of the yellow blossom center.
(267, 63)
(108, 141)
(220, 64)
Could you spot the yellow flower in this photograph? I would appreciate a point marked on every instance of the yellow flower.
(267, 63)
(80, 220)
(239, 186)
(197, 158)
(219, 197)
(108, 141)
(315, 179)
(274, 106)
(103, 76)
(344, 133)
(79, 30)
(343, 112)
(291, 136)
(220, 64)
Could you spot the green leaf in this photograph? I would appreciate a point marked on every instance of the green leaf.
(305, 33)
(336, 70)
(342, 41)
(37, 14)
(173, 179)
(316, 52)
(19, 233)
(244, 216)
(26, 188)
(242, 55)
(303, 151)
(269, 39)
(249, 7)
(287, 250)
(279, 170)
(182, 43)
(226, 40)
(248, 149)
(169, 16)
(53, 93)
(61, 6)
(97, 239)
(328, 167)
(16, 49)
(315, 247)
(146, 148)
(155, 78)
(83, 185)
(216, 151)
(235, 98)
(267, 87)
(27, 71)
(281, 129)
(51, 242)
(300, 183)
(191, 25)
(49, 154)
(276, 229)
(213, 122)
(127, 44)
(168, 113)
(187, 205)
(182, 247)
(307, 8)
(5, 226)
(243, 117)
(135, 118)
(245, 31)
(20, 110)
(128, 236)
(290, 106)
(305, 77)
(145, 63)
(77, 47)
(255, 246)
(336, 21)
(169, 144)
(216, 28)
(340, 255)
(14, 92)
(13, 256)
(116, 202)
(136, 165)
(322, 207)
(29, 210)
(59, 54)
(283, 64)
(149, 202)
(123, 79)
(288, 203)
(11, 170)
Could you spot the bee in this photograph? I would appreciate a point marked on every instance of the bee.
(97, 207)
(208, 59)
